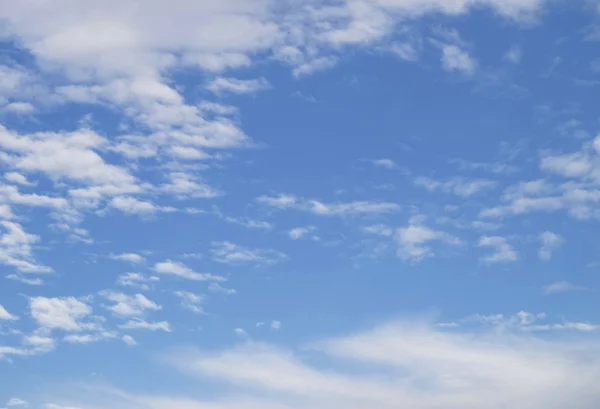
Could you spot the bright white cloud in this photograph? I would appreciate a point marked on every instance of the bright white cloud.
(60, 313)
(130, 305)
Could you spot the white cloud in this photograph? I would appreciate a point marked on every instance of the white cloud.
(190, 301)
(184, 186)
(240, 332)
(129, 257)
(503, 251)
(412, 240)
(379, 230)
(19, 108)
(281, 201)
(55, 406)
(229, 253)
(60, 313)
(298, 232)
(89, 338)
(16, 248)
(129, 340)
(181, 270)
(550, 242)
(136, 280)
(249, 223)
(461, 368)
(459, 186)
(385, 163)
(130, 305)
(131, 205)
(17, 178)
(16, 402)
(351, 208)
(6, 316)
(216, 288)
(151, 326)
(559, 287)
(276, 325)
(455, 58)
(514, 54)
(223, 85)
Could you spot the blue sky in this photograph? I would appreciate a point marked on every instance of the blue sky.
(299, 204)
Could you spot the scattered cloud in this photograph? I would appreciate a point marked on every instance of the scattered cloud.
(222, 85)
(458, 186)
(229, 253)
(550, 242)
(503, 251)
(130, 305)
(413, 240)
(216, 288)
(151, 326)
(378, 230)
(455, 58)
(385, 163)
(136, 280)
(129, 340)
(560, 287)
(6, 316)
(190, 301)
(65, 313)
(129, 257)
(316, 207)
(178, 269)
(514, 54)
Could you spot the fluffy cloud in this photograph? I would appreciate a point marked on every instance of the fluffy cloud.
(60, 313)
(130, 305)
